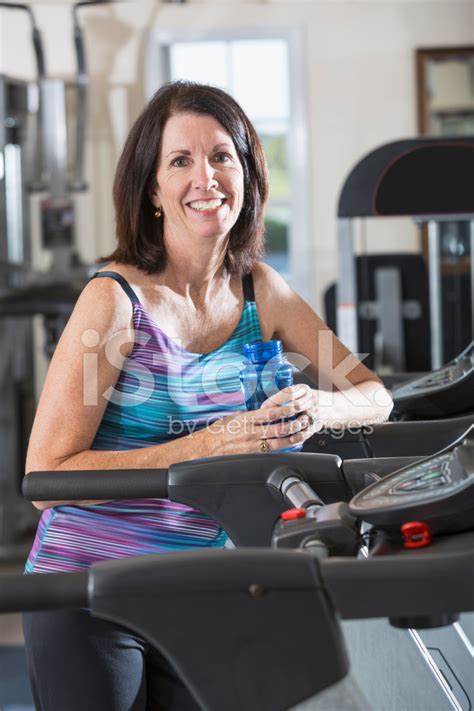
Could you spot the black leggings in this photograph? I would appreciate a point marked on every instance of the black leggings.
(79, 662)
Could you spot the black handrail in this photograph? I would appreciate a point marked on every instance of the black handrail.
(96, 484)
(43, 592)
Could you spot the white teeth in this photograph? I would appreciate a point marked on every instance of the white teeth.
(206, 204)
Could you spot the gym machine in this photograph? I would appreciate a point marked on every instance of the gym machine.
(282, 644)
(20, 158)
(426, 179)
(446, 391)
(35, 134)
(446, 395)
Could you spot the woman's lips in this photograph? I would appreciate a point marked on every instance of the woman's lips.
(210, 205)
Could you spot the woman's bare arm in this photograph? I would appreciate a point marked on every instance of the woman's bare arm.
(86, 364)
(347, 391)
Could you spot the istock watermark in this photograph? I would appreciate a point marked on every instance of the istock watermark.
(246, 426)
(189, 380)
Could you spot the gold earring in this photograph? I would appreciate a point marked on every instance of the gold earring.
(158, 212)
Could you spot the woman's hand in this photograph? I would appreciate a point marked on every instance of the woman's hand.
(245, 431)
(359, 406)
(303, 398)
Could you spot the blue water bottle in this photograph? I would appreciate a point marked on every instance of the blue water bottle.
(265, 373)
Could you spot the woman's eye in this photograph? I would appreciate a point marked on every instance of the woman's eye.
(179, 162)
(222, 157)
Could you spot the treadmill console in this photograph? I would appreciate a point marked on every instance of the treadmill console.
(447, 391)
(438, 491)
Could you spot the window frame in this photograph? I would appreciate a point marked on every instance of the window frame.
(300, 244)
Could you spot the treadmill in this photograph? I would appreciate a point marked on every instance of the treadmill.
(424, 668)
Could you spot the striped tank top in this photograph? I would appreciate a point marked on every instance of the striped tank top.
(163, 392)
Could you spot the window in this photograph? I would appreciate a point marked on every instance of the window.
(256, 71)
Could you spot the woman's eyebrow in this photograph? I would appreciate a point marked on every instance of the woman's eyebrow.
(188, 153)
(182, 151)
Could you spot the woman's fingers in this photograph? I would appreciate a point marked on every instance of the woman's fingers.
(271, 412)
(286, 419)
(244, 431)
(300, 398)
(281, 442)
(286, 396)
(255, 425)
(283, 429)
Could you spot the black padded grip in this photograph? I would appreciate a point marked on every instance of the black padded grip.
(96, 484)
(22, 593)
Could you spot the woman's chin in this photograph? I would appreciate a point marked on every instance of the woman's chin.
(216, 234)
(212, 229)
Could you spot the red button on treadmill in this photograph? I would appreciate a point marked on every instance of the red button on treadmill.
(416, 534)
(293, 514)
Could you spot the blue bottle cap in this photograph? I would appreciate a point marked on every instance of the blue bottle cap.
(262, 351)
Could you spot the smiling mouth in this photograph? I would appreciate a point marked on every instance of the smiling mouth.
(206, 205)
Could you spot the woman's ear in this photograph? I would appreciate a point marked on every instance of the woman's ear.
(153, 191)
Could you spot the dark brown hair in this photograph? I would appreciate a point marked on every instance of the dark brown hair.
(139, 233)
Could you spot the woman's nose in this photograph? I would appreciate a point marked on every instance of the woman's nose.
(204, 176)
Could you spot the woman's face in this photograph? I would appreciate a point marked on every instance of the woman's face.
(200, 180)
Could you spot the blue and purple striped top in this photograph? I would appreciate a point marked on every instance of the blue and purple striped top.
(163, 392)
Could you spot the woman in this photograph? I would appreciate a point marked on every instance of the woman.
(146, 374)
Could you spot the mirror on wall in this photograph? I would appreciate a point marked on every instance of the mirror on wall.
(446, 91)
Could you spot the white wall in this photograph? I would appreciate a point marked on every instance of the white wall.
(360, 69)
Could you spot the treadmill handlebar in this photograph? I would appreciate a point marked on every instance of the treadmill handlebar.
(49, 591)
(157, 483)
(425, 582)
(154, 483)
(397, 584)
(96, 484)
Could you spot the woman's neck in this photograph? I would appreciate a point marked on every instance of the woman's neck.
(197, 274)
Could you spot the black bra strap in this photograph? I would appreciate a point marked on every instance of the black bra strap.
(123, 283)
(247, 284)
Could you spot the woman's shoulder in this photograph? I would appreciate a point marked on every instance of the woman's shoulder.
(268, 283)
(127, 271)
(270, 292)
(103, 302)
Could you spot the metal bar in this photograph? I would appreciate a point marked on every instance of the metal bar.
(78, 181)
(346, 290)
(14, 203)
(81, 85)
(436, 315)
(388, 289)
(299, 494)
(54, 136)
(471, 240)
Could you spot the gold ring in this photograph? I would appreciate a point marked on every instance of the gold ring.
(264, 446)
